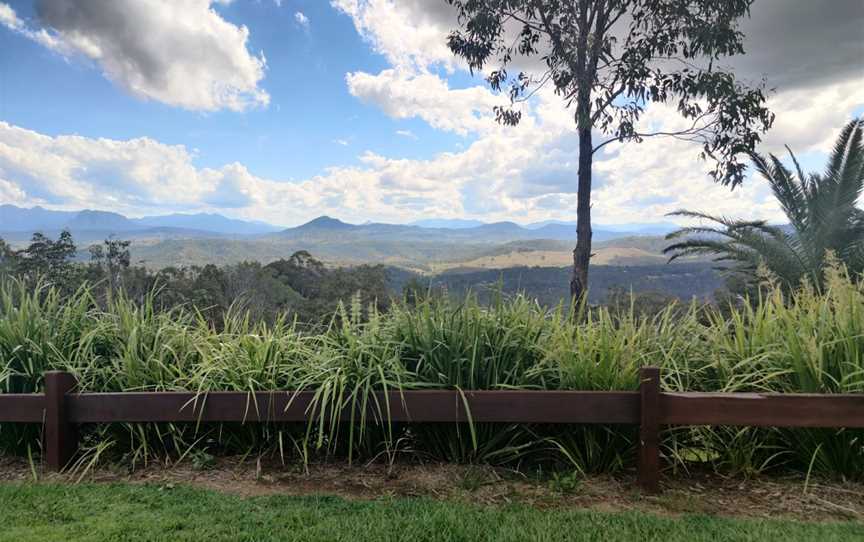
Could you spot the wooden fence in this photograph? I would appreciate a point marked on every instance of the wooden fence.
(61, 410)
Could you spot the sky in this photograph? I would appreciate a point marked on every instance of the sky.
(284, 110)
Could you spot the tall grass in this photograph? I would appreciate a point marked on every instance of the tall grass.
(807, 342)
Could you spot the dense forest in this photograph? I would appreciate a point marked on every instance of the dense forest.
(549, 285)
(300, 287)
(304, 288)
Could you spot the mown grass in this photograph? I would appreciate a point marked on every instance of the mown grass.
(808, 342)
(31, 512)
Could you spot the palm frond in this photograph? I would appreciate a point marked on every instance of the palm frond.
(790, 193)
(822, 211)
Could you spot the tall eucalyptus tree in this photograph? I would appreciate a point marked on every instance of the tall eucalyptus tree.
(609, 60)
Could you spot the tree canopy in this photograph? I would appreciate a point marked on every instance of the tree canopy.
(822, 211)
(610, 60)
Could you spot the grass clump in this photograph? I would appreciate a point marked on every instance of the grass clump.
(807, 341)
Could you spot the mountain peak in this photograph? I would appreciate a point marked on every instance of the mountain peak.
(325, 222)
(88, 219)
(22, 219)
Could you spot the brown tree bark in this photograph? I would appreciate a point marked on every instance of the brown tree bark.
(582, 252)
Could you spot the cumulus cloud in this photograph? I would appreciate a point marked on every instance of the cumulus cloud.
(409, 33)
(9, 18)
(526, 173)
(302, 20)
(512, 174)
(428, 97)
(181, 53)
(816, 73)
(143, 176)
(810, 55)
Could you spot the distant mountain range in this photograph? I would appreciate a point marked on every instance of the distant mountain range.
(186, 239)
(448, 223)
(18, 223)
(325, 227)
(651, 228)
(88, 223)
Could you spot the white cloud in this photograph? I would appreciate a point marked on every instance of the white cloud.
(403, 95)
(526, 173)
(181, 53)
(533, 167)
(302, 20)
(9, 18)
(142, 176)
(406, 133)
(409, 33)
(810, 118)
(522, 174)
(11, 193)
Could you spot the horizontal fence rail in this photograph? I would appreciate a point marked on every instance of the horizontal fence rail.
(427, 406)
(22, 407)
(762, 409)
(61, 411)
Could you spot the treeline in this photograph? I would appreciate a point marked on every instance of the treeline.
(304, 289)
(549, 285)
(300, 287)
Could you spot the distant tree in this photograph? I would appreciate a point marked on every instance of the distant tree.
(302, 271)
(112, 258)
(609, 59)
(369, 282)
(8, 259)
(823, 216)
(208, 292)
(257, 289)
(323, 288)
(49, 259)
(415, 291)
(623, 302)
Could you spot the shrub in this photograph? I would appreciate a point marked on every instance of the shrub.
(806, 341)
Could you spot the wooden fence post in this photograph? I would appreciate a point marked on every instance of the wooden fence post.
(61, 436)
(649, 429)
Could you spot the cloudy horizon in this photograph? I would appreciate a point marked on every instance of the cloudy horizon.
(282, 111)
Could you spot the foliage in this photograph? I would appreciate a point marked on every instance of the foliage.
(43, 257)
(611, 59)
(548, 285)
(111, 259)
(606, 52)
(302, 285)
(823, 214)
(806, 341)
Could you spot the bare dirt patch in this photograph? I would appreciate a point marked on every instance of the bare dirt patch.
(764, 497)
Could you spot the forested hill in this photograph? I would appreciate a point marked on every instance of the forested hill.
(311, 290)
(549, 285)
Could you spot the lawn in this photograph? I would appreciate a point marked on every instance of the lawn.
(153, 512)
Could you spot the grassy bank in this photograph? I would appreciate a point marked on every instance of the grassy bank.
(811, 342)
(141, 512)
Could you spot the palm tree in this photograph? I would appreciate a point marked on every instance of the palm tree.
(821, 209)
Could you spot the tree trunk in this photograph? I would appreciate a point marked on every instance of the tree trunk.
(582, 252)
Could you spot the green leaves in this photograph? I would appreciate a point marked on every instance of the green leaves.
(821, 209)
(613, 58)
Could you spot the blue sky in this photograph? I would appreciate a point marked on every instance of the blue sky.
(282, 111)
(296, 136)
